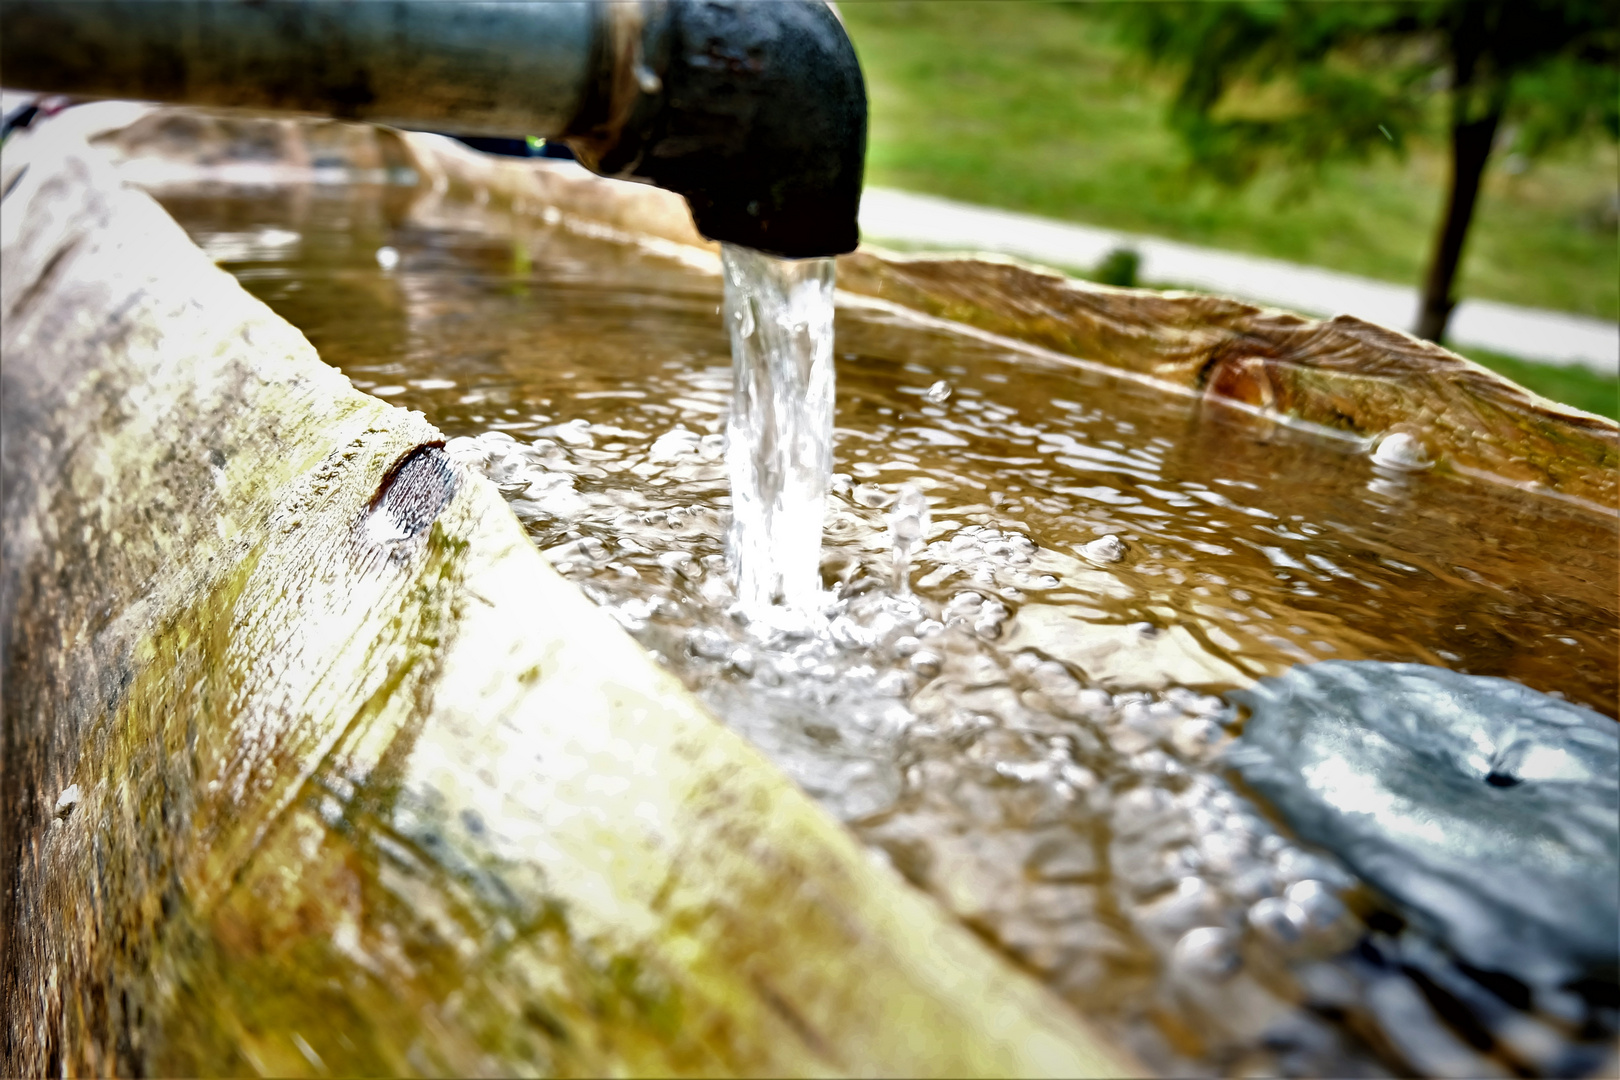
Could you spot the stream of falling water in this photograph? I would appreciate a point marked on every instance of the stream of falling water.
(779, 313)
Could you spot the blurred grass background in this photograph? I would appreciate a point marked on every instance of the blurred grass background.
(1035, 106)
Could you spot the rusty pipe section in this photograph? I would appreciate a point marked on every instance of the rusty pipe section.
(755, 112)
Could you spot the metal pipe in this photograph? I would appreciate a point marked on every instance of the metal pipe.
(486, 68)
(755, 112)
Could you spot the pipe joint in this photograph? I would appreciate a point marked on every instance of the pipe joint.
(756, 113)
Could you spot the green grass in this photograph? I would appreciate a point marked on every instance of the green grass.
(1034, 107)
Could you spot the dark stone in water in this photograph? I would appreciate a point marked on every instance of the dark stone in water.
(1489, 811)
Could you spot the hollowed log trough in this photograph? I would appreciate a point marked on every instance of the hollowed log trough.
(313, 765)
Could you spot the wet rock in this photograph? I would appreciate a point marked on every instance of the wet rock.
(1487, 810)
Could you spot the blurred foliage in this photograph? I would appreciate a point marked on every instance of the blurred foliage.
(1303, 82)
(1041, 107)
(1118, 267)
(1038, 107)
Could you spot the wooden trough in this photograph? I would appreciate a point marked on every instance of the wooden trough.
(311, 763)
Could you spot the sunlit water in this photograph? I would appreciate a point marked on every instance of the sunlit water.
(1035, 577)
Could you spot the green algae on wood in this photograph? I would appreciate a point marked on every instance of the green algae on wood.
(364, 786)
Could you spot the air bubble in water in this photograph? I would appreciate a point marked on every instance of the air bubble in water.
(1280, 920)
(1104, 549)
(1208, 952)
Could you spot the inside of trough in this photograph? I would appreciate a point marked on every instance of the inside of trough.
(1033, 732)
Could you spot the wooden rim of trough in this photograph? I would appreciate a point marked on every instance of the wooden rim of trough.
(313, 764)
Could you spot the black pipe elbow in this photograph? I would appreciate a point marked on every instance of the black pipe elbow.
(754, 111)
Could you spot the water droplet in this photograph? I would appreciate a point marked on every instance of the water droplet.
(908, 528)
(745, 319)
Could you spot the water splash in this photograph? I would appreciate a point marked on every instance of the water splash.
(779, 434)
(908, 532)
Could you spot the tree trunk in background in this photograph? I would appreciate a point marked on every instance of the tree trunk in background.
(1471, 142)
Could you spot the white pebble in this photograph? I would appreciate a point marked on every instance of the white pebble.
(1398, 450)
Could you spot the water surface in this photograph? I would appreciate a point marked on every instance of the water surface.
(1029, 732)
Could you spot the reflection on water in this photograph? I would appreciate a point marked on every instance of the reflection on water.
(1029, 734)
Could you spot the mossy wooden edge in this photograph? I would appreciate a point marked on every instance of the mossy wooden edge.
(312, 765)
(1343, 373)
